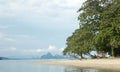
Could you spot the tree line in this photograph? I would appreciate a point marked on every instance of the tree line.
(99, 29)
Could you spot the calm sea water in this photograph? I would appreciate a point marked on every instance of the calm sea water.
(29, 66)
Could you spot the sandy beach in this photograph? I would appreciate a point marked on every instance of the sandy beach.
(109, 64)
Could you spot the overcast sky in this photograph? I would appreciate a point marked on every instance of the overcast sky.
(34, 27)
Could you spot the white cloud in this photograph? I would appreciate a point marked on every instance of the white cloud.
(61, 49)
(9, 39)
(40, 12)
(23, 36)
(33, 50)
(43, 14)
(13, 48)
(38, 6)
(13, 6)
(5, 37)
(39, 50)
(68, 3)
(51, 47)
(8, 49)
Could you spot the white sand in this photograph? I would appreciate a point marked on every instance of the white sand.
(113, 64)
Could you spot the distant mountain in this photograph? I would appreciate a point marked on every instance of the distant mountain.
(50, 56)
(47, 56)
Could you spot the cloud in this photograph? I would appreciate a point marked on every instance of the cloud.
(37, 23)
(39, 50)
(8, 49)
(42, 13)
(68, 3)
(61, 49)
(23, 36)
(50, 48)
(9, 39)
(41, 7)
(15, 37)
(32, 51)
(13, 48)
(5, 37)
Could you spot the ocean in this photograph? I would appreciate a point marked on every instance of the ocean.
(29, 66)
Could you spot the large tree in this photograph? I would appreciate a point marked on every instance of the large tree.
(108, 38)
(99, 28)
(79, 43)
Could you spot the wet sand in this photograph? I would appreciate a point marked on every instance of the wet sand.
(109, 64)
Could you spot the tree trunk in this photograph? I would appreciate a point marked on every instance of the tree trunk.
(81, 56)
(112, 52)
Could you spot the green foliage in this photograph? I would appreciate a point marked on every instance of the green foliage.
(99, 28)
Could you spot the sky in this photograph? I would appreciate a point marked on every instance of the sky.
(35, 27)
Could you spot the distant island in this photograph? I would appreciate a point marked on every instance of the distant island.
(50, 56)
(45, 56)
(4, 58)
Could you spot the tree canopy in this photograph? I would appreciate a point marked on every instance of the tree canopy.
(99, 29)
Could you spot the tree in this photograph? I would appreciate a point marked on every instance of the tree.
(81, 41)
(76, 44)
(99, 28)
(103, 17)
(109, 29)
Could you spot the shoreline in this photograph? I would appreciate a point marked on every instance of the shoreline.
(107, 64)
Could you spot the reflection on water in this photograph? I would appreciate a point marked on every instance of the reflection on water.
(28, 66)
(74, 69)
(80, 70)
